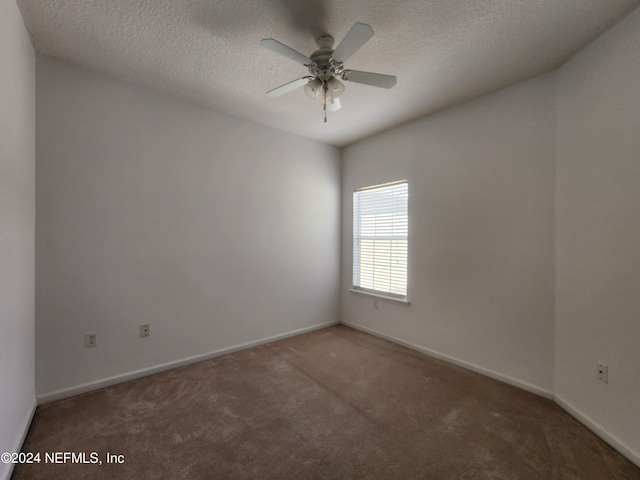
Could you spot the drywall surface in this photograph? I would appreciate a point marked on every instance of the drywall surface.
(17, 224)
(214, 230)
(481, 201)
(598, 233)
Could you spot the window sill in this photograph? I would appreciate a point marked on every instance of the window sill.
(403, 301)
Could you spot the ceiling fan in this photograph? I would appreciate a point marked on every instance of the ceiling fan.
(326, 67)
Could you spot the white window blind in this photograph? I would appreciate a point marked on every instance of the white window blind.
(380, 236)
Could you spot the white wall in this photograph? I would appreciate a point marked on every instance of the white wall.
(214, 230)
(481, 253)
(148, 207)
(598, 233)
(17, 221)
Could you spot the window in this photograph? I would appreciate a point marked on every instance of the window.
(380, 236)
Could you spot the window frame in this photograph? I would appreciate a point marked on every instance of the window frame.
(357, 235)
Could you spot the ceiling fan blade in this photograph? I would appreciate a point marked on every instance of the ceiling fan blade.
(368, 78)
(359, 34)
(282, 49)
(288, 87)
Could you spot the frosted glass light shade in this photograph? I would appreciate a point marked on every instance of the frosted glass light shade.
(312, 88)
(335, 87)
(334, 106)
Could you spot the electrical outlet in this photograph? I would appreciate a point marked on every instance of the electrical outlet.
(602, 373)
(90, 340)
(144, 330)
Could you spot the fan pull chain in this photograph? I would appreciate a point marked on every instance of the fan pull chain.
(324, 106)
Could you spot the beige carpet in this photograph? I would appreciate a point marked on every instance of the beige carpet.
(333, 404)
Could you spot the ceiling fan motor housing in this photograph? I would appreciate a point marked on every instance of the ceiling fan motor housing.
(324, 66)
(325, 41)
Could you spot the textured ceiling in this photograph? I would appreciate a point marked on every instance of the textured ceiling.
(208, 51)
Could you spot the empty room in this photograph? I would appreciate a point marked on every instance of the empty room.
(320, 240)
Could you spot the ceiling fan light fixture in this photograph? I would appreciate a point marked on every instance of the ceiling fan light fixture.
(335, 87)
(325, 97)
(312, 88)
(334, 106)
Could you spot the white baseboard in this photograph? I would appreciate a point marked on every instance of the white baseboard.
(455, 361)
(125, 377)
(87, 387)
(17, 446)
(564, 404)
(598, 430)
